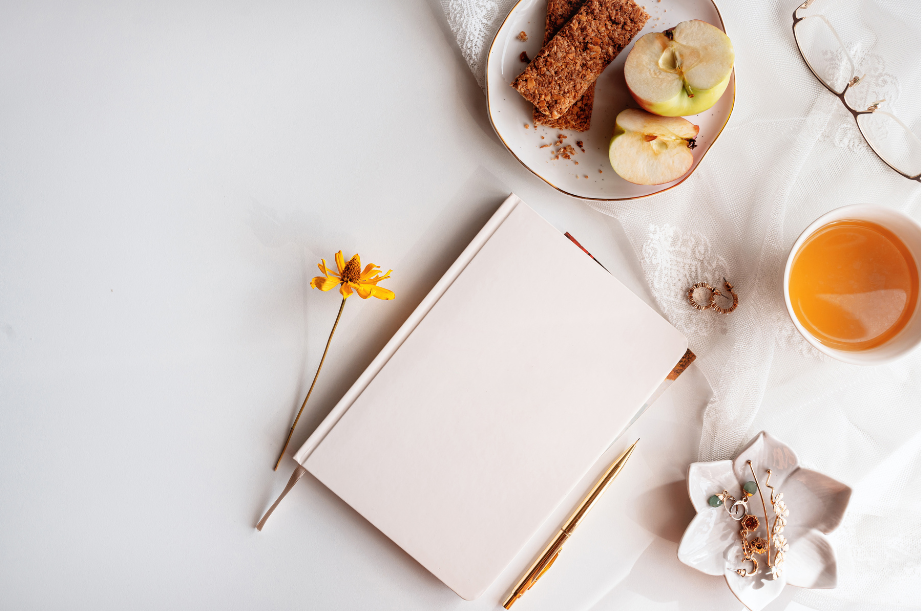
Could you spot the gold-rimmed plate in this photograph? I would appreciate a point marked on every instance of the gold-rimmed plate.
(592, 177)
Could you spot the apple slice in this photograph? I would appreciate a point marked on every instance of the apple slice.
(682, 71)
(649, 149)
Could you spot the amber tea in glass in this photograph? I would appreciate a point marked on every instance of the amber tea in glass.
(853, 285)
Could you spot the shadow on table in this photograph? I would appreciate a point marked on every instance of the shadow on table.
(674, 511)
(469, 92)
(659, 577)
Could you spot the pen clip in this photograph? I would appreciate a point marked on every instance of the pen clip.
(539, 568)
(539, 573)
(544, 570)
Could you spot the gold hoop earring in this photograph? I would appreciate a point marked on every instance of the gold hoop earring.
(733, 297)
(694, 302)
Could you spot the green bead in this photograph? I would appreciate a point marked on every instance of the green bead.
(715, 501)
(750, 488)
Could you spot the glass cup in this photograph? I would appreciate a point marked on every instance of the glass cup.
(909, 232)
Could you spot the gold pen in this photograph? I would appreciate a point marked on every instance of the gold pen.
(550, 553)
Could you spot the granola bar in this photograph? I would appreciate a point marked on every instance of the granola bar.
(577, 117)
(565, 68)
(559, 12)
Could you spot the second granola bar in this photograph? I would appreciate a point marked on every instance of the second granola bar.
(579, 116)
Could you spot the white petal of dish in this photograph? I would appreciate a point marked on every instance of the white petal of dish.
(705, 479)
(766, 452)
(811, 561)
(707, 540)
(820, 501)
(712, 531)
(755, 591)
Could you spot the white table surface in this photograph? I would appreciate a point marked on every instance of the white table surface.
(170, 174)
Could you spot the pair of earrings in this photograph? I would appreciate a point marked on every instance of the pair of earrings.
(712, 300)
(739, 511)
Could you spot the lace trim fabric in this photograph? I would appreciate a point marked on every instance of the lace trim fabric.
(675, 260)
(877, 83)
(474, 24)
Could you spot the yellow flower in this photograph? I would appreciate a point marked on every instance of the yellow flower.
(351, 277)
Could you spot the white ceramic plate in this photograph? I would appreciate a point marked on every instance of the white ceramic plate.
(509, 111)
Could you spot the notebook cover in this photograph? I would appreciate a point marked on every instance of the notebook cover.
(498, 394)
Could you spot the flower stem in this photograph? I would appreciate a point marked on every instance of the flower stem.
(316, 375)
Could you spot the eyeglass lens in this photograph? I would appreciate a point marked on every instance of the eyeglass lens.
(893, 142)
(825, 52)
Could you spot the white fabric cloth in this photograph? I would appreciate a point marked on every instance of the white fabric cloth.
(790, 153)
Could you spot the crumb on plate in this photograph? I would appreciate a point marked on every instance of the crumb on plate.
(565, 152)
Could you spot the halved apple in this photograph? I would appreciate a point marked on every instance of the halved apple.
(649, 149)
(682, 71)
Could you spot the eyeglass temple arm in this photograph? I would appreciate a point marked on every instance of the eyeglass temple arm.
(873, 108)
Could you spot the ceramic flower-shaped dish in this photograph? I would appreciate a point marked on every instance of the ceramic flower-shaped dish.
(816, 504)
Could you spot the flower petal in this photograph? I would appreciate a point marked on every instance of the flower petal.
(345, 290)
(368, 271)
(340, 262)
(707, 541)
(324, 283)
(766, 452)
(816, 500)
(712, 531)
(382, 293)
(755, 591)
(709, 478)
(811, 561)
(364, 290)
(325, 270)
(379, 278)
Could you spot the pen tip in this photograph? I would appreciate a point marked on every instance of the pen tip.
(630, 450)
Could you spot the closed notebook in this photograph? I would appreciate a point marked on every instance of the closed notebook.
(519, 369)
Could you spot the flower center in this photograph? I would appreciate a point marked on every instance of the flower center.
(352, 272)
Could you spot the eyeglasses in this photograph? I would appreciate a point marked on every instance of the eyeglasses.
(829, 61)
